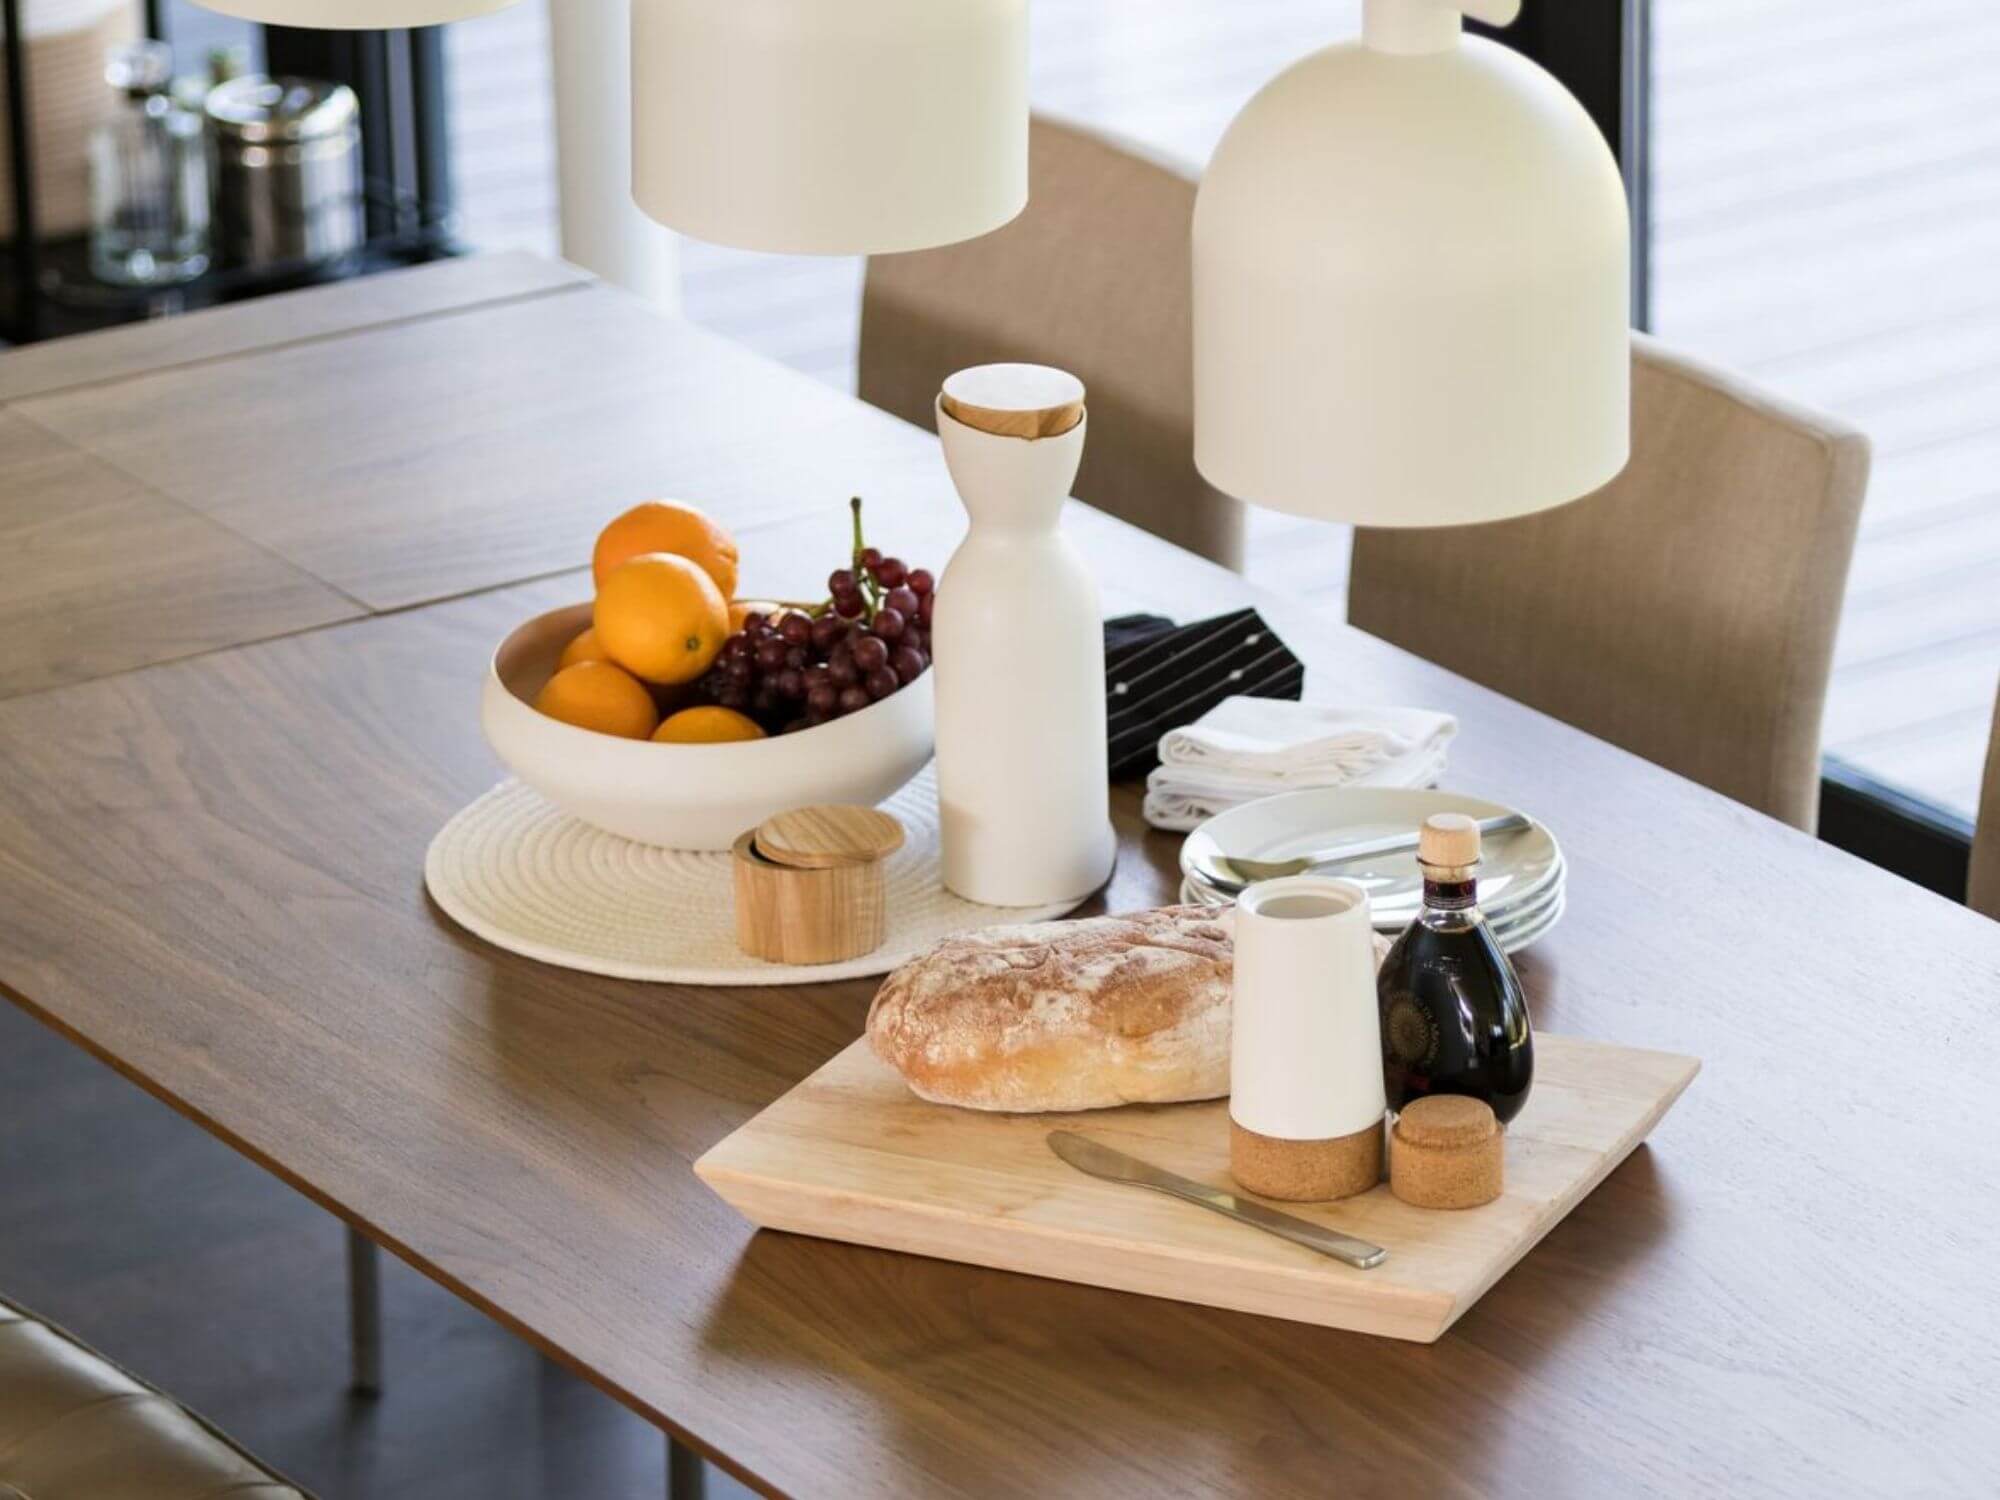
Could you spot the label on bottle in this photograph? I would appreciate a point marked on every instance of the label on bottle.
(1451, 895)
(1410, 1033)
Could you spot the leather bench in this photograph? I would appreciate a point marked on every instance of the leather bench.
(74, 1426)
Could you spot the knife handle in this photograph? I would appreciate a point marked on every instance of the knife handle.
(1330, 1242)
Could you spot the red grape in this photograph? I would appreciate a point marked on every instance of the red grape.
(794, 670)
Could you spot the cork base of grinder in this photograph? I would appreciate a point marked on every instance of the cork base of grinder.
(1306, 1171)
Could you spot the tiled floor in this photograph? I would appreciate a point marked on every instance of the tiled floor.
(1827, 203)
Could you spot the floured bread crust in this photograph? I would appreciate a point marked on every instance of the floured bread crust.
(1065, 1015)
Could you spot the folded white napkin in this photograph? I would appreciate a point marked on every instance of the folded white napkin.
(1246, 748)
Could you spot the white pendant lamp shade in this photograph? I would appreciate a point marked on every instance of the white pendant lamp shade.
(830, 126)
(355, 15)
(1411, 299)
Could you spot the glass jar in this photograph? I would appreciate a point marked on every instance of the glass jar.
(148, 177)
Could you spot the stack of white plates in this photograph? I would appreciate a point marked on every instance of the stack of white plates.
(1520, 879)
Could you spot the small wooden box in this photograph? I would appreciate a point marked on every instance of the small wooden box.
(790, 915)
(809, 887)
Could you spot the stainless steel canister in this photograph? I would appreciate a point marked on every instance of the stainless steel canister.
(288, 183)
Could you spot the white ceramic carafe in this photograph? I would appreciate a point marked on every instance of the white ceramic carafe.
(1018, 649)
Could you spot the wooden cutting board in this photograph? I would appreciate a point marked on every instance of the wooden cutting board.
(851, 1154)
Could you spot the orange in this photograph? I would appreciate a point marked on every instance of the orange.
(661, 618)
(596, 695)
(667, 526)
(583, 648)
(707, 725)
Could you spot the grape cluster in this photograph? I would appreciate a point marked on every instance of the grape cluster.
(809, 664)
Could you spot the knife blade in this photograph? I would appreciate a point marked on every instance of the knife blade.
(1110, 1165)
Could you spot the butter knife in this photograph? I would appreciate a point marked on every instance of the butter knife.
(1102, 1161)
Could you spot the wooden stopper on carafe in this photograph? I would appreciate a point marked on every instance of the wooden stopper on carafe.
(1449, 841)
(1023, 401)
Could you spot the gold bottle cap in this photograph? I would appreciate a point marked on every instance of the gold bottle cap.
(1449, 841)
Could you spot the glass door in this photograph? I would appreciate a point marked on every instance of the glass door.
(1816, 186)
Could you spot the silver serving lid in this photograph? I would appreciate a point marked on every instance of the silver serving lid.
(282, 111)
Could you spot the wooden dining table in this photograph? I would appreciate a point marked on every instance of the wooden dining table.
(252, 566)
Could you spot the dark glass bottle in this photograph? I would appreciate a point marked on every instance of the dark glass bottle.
(1454, 1018)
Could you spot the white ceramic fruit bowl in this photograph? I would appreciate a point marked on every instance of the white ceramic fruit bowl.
(690, 796)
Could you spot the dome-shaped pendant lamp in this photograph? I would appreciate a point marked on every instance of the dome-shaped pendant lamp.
(1411, 284)
(830, 126)
(355, 15)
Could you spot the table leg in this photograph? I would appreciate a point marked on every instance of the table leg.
(364, 1312)
(687, 1475)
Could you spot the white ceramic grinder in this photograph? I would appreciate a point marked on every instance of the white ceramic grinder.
(1306, 1100)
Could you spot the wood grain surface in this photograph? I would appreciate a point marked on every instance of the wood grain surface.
(164, 343)
(425, 459)
(852, 1155)
(210, 876)
(99, 575)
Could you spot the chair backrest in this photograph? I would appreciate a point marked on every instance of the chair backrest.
(1686, 611)
(1095, 277)
(1984, 893)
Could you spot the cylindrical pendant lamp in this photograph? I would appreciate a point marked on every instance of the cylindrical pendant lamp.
(354, 15)
(831, 127)
(1411, 284)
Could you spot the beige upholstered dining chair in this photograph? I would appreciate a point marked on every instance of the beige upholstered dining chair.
(1095, 277)
(1984, 891)
(74, 1426)
(1686, 611)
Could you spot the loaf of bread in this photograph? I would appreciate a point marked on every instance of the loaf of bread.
(1065, 1015)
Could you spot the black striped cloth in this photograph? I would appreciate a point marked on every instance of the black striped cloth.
(1160, 676)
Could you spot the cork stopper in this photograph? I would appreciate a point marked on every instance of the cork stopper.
(1448, 841)
(1447, 1152)
(1447, 1120)
(1023, 401)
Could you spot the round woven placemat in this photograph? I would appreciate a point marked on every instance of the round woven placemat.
(526, 876)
